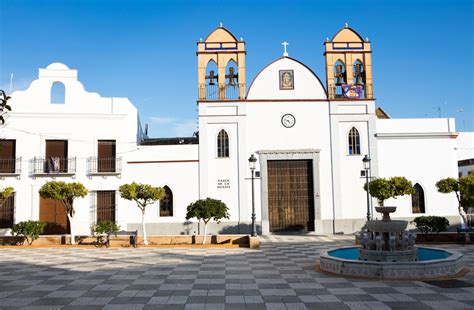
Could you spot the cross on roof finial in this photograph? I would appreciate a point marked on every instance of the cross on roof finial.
(285, 44)
(221, 25)
(346, 25)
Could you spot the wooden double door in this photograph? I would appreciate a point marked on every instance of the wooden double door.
(53, 214)
(290, 195)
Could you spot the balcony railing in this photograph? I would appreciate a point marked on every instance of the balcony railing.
(54, 166)
(219, 92)
(104, 165)
(10, 166)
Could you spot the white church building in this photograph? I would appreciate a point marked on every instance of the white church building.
(309, 139)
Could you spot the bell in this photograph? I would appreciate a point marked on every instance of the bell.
(231, 76)
(211, 78)
(358, 74)
(339, 76)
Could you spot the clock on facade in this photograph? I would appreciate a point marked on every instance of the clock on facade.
(288, 120)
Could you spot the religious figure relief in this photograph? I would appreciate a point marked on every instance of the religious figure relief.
(287, 80)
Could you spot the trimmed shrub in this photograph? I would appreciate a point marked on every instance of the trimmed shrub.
(105, 227)
(29, 230)
(431, 226)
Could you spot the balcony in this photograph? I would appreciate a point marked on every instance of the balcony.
(10, 166)
(53, 166)
(104, 165)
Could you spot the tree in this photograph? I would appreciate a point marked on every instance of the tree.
(464, 190)
(206, 210)
(383, 189)
(65, 193)
(4, 107)
(143, 195)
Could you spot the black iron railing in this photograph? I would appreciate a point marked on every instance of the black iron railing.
(53, 165)
(216, 92)
(104, 165)
(10, 166)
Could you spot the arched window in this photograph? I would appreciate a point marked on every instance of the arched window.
(354, 142)
(418, 199)
(58, 93)
(222, 144)
(166, 203)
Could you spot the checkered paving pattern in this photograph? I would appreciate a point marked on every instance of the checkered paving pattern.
(280, 275)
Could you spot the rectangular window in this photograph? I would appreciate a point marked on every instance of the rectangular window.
(56, 156)
(7, 210)
(106, 206)
(106, 152)
(7, 156)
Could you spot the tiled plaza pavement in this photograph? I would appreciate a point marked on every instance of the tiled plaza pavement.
(281, 275)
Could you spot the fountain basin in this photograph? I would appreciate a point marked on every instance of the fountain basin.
(392, 226)
(431, 263)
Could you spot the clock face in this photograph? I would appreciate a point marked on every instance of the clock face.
(288, 120)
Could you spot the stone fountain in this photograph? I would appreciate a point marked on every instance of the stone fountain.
(388, 251)
(386, 240)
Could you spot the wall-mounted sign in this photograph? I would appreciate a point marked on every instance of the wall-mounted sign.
(223, 183)
(352, 91)
(287, 80)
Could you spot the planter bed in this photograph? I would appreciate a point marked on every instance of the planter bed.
(154, 241)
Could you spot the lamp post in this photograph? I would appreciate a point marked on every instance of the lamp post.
(366, 161)
(252, 161)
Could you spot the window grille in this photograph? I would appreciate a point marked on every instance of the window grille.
(7, 211)
(354, 142)
(223, 144)
(418, 199)
(166, 203)
(105, 206)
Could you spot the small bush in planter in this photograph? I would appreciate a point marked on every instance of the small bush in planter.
(105, 227)
(431, 226)
(29, 230)
(102, 228)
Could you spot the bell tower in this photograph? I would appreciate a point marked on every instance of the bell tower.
(348, 66)
(221, 50)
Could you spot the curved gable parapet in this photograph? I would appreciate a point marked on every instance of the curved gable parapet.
(38, 96)
(220, 34)
(267, 84)
(347, 35)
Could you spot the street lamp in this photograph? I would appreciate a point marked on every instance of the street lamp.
(252, 161)
(366, 162)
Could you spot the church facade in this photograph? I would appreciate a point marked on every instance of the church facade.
(309, 139)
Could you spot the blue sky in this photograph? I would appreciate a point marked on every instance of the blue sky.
(145, 50)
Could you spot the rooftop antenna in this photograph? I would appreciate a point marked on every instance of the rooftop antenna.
(438, 108)
(461, 110)
(11, 82)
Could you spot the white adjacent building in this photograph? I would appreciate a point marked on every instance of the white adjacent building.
(309, 140)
